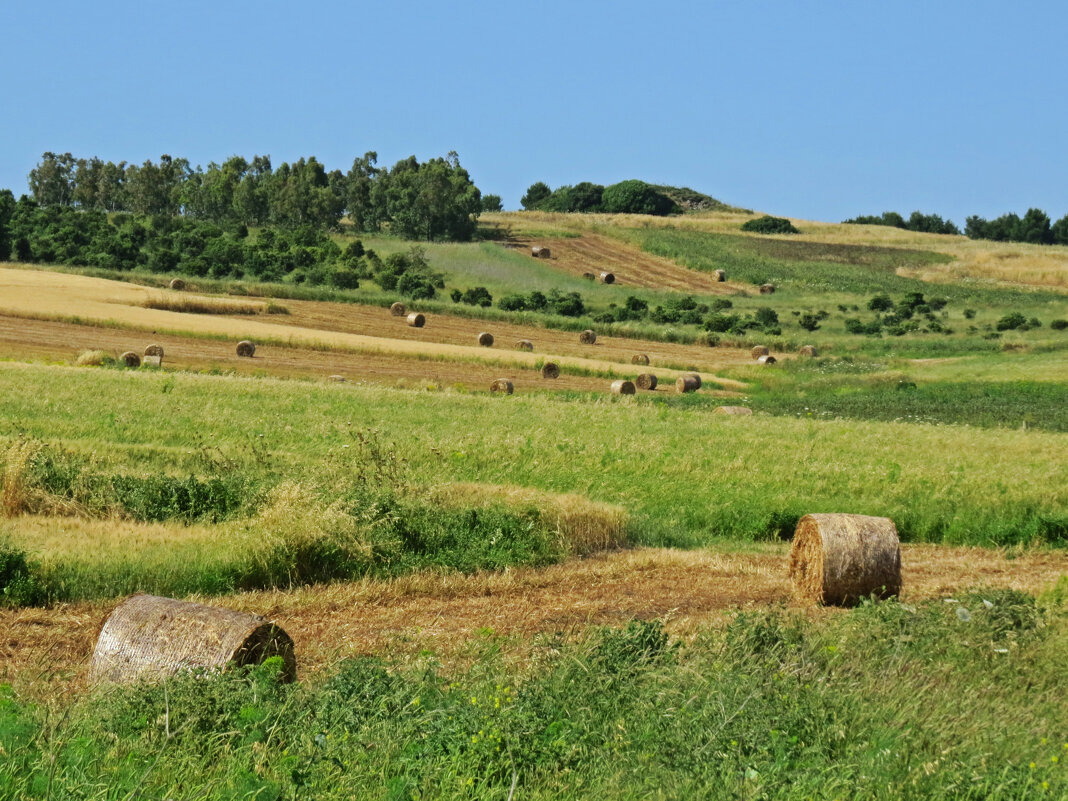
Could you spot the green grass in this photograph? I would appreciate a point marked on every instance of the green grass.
(884, 702)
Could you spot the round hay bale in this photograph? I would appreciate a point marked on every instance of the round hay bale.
(767, 289)
(645, 381)
(759, 350)
(246, 349)
(841, 558)
(589, 276)
(550, 370)
(766, 360)
(398, 309)
(735, 410)
(416, 320)
(337, 379)
(587, 337)
(639, 358)
(502, 385)
(485, 339)
(622, 387)
(130, 359)
(687, 383)
(524, 344)
(539, 252)
(808, 350)
(177, 284)
(696, 378)
(147, 636)
(608, 278)
(719, 275)
(154, 350)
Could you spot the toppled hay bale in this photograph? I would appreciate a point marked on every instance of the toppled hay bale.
(759, 350)
(766, 360)
(539, 252)
(524, 344)
(587, 337)
(550, 370)
(91, 358)
(767, 289)
(485, 339)
(808, 350)
(841, 558)
(246, 348)
(737, 410)
(398, 309)
(416, 320)
(639, 358)
(147, 636)
(645, 381)
(719, 275)
(502, 385)
(154, 350)
(177, 284)
(687, 383)
(622, 387)
(130, 359)
(337, 379)
(152, 361)
(608, 278)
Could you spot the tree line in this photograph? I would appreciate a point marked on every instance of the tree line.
(432, 200)
(625, 197)
(1034, 227)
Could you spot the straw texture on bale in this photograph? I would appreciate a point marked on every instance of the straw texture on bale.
(808, 350)
(130, 359)
(539, 252)
(524, 344)
(767, 289)
(766, 360)
(587, 337)
(550, 370)
(622, 387)
(719, 275)
(738, 410)
(178, 284)
(485, 339)
(686, 383)
(246, 348)
(152, 361)
(502, 385)
(645, 381)
(154, 350)
(147, 636)
(608, 278)
(398, 309)
(841, 558)
(639, 358)
(759, 350)
(416, 320)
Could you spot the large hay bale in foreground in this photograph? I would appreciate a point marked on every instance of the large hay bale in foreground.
(736, 410)
(808, 350)
(759, 350)
(587, 337)
(154, 350)
(719, 275)
(502, 385)
(686, 383)
(177, 284)
(639, 358)
(130, 359)
(539, 252)
(246, 348)
(608, 278)
(147, 636)
(398, 309)
(550, 370)
(622, 387)
(645, 381)
(485, 339)
(524, 344)
(416, 320)
(766, 360)
(767, 289)
(841, 558)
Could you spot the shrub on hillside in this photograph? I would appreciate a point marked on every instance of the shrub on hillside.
(636, 197)
(770, 225)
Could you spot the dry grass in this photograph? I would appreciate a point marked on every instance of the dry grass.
(91, 358)
(189, 304)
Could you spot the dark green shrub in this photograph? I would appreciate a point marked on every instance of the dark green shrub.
(1011, 321)
(880, 303)
(477, 296)
(969, 314)
(1059, 325)
(19, 586)
(766, 316)
(636, 197)
(810, 322)
(770, 225)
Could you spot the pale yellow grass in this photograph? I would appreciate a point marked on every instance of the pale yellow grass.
(41, 294)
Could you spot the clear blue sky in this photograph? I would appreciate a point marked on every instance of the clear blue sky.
(819, 110)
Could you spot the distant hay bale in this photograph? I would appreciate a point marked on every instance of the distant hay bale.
(696, 378)
(337, 379)
(736, 410)
(587, 337)
(485, 339)
(808, 350)
(622, 387)
(416, 320)
(767, 289)
(91, 358)
(152, 361)
(154, 350)
(550, 370)
(246, 349)
(539, 252)
(502, 385)
(719, 275)
(759, 350)
(177, 284)
(524, 344)
(608, 278)
(639, 358)
(151, 637)
(841, 558)
(645, 381)
(686, 383)
(130, 359)
(589, 276)
(766, 360)
(398, 309)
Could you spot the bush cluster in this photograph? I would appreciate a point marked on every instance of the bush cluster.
(913, 313)
(625, 197)
(770, 225)
(567, 304)
(917, 221)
